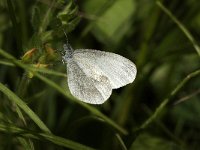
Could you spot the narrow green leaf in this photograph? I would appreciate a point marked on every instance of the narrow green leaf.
(36, 18)
(14, 23)
(181, 26)
(121, 142)
(3, 62)
(15, 99)
(150, 142)
(11, 129)
(68, 16)
(42, 70)
(161, 107)
(26, 143)
(47, 17)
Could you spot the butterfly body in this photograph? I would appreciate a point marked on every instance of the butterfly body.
(68, 52)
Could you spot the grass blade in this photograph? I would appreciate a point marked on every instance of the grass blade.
(161, 107)
(14, 23)
(15, 99)
(181, 26)
(42, 70)
(43, 136)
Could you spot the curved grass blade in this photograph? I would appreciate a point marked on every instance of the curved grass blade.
(6, 63)
(166, 101)
(14, 23)
(121, 142)
(181, 26)
(15, 99)
(42, 70)
(43, 137)
(26, 143)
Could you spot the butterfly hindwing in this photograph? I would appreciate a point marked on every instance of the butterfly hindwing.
(87, 83)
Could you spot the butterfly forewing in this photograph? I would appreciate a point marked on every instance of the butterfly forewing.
(118, 69)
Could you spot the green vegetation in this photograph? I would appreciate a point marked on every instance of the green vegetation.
(159, 111)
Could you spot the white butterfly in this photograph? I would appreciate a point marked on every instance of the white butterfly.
(92, 74)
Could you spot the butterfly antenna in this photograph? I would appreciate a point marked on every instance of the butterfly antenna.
(67, 41)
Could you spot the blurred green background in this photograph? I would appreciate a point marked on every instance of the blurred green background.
(160, 110)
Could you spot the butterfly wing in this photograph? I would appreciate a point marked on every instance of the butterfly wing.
(118, 69)
(87, 83)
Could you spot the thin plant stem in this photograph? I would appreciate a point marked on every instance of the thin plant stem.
(166, 130)
(15, 99)
(23, 85)
(185, 98)
(45, 19)
(14, 23)
(11, 129)
(181, 26)
(123, 146)
(161, 107)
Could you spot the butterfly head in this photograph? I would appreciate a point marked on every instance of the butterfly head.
(68, 52)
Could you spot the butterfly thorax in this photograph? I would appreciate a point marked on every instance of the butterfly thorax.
(68, 52)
